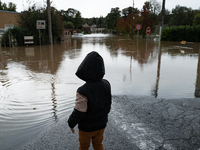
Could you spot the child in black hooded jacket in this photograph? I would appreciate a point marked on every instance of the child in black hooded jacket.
(92, 104)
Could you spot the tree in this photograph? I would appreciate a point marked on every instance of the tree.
(27, 20)
(72, 15)
(156, 6)
(112, 18)
(101, 22)
(78, 21)
(153, 7)
(182, 15)
(196, 20)
(88, 21)
(3, 6)
(146, 21)
(68, 25)
(94, 20)
(128, 10)
(148, 6)
(11, 6)
(124, 25)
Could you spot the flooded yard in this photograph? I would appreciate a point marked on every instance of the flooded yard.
(38, 83)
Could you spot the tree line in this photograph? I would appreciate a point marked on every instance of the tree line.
(116, 21)
(150, 15)
(10, 7)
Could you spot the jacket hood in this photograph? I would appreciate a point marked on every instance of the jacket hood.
(92, 67)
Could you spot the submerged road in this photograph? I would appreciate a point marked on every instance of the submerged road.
(135, 123)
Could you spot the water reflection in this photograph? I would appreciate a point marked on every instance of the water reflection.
(28, 83)
(54, 101)
(197, 87)
(38, 83)
(155, 89)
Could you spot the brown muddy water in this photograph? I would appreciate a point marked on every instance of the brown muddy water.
(38, 83)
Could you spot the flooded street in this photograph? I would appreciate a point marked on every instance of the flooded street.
(38, 83)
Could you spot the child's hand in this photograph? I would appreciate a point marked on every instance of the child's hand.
(72, 129)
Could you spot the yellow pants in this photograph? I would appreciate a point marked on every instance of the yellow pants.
(85, 138)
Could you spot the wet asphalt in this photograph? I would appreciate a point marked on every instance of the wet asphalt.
(135, 123)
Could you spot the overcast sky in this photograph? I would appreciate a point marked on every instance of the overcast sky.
(97, 8)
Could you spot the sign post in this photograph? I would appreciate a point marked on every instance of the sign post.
(40, 24)
(148, 31)
(74, 31)
(138, 27)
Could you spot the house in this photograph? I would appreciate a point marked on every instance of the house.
(86, 28)
(93, 28)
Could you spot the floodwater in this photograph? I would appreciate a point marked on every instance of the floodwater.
(38, 83)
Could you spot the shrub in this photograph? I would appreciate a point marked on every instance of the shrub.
(180, 33)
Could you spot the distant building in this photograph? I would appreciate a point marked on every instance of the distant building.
(8, 19)
(86, 28)
(66, 34)
(93, 28)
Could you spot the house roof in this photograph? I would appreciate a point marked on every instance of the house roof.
(10, 11)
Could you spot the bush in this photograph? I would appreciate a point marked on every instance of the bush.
(181, 33)
(17, 34)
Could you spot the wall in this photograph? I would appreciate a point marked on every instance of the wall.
(8, 18)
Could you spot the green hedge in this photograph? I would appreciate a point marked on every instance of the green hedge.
(17, 33)
(181, 33)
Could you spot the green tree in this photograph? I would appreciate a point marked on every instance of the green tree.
(88, 21)
(153, 8)
(196, 11)
(196, 20)
(68, 25)
(28, 19)
(11, 6)
(94, 21)
(128, 10)
(112, 18)
(182, 16)
(78, 21)
(72, 15)
(3, 6)
(101, 22)
(148, 6)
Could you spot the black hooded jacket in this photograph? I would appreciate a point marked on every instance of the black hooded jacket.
(97, 91)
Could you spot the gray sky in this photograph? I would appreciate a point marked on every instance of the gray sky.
(97, 8)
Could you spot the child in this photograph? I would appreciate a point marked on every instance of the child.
(92, 104)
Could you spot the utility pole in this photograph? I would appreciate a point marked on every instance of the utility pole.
(162, 19)
(49, 22)
(132, 22)
(163, 12)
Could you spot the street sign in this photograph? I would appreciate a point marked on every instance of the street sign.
(148, 30)
(74, 31)
(138, 27)
(41, 24)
